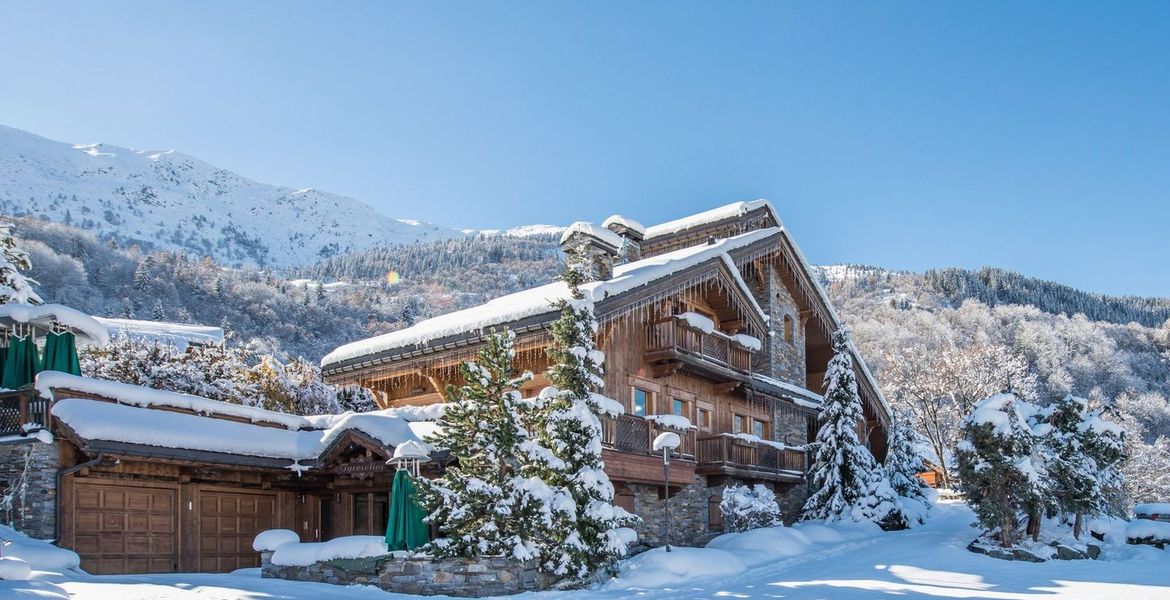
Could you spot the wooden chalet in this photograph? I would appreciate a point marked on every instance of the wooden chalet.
(715, 317)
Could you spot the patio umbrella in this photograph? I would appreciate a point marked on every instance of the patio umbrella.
(22, 363)
(61, 353)
(406, 530)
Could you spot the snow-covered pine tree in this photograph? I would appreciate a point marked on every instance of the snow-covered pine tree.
(849, 483)
(903, 464)
(482, 504)
(1084, 452)
(566, 422)
(1001, 473)
(749, 507)
(15, 288)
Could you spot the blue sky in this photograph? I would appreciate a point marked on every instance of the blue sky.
(1031, 136)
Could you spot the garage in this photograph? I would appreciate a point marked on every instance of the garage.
(228, 522)
(119, 528)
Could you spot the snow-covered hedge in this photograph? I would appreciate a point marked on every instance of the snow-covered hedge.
(747, 507)
(271, 539)
(305, 554)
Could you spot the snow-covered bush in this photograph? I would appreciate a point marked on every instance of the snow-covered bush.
(749, 507)
(849, 483)
(15, 287)
(271, 539)
(39, 554)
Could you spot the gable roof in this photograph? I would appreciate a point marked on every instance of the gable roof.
(727, 212)
(535, 306)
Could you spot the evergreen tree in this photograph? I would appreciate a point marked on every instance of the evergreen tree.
(15, 288)
(1083, 452)
(566, 423)
(849, 483)
(903, 464)
(483, 504)
(1001, 474)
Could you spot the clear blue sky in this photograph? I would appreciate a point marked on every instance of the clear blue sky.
(1032, 136)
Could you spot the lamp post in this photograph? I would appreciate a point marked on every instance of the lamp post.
(666, 441)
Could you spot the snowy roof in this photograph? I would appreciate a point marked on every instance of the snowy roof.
(727, 211)
(540, 300)
(594, 231)
(178, 335)
(799, 395)
(43, 315)
(626, 222)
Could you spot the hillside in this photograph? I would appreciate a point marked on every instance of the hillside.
(165, 200)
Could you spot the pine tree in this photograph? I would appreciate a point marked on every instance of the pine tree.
(15, 288)
(483, 504)
(1001, 473)
(1083, 453)
(848, 481)
(566, 422)
(903, 464)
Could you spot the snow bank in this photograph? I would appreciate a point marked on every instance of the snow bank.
(43, 315)
(14, 569)
(1152, 508)
(760, 546)
(1140, 529)
(272, 539)
(39, 554)
(354, 546)
(658, 568)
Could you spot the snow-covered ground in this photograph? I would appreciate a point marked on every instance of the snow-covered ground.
(929, 562)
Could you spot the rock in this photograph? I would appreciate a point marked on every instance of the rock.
(1093, 550)
(1064, 552)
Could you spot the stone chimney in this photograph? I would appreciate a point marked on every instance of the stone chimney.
(591, 250)
(632, 234)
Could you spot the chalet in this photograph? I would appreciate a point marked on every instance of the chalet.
(715, 317)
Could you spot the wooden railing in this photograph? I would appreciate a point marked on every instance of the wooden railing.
(630, 433)
(728, 451)
(21, 408)
(672, 334)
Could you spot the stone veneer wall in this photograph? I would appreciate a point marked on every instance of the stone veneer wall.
(400, 573)
(35, 514)
(778, 358)
(689, 515)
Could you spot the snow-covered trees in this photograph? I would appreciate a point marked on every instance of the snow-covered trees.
(903, 464)
(483, 504)
(566, 422)
(1082, 454)
(749, 507)
(848, 481)
(15, 287)
(1001, 474)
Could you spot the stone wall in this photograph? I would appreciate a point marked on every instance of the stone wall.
(401, 573)
(779, 358)
(689, 515)
(34, 512)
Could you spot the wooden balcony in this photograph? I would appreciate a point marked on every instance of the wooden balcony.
(626, 449)
(21, 408)
(634, 434)
(670, 345)
(734, 457)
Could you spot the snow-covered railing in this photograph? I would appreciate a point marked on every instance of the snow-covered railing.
(736, 453)
(680, 335)
(630, 433)
(21, 412)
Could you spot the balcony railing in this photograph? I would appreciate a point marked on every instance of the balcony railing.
(21, 408)
(672, 335)
(727, 453)
(631, 433)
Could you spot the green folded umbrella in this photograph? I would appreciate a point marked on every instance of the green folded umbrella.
(22, 363)
(61, 353)
(406, 530)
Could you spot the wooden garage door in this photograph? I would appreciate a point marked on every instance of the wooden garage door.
(122, 529)
(228, 523)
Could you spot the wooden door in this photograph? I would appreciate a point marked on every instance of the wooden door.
(228, 523)
(125, 529)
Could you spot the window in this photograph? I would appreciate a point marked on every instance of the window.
(371, 513)
(788, 328)
(680, 407)
(739, 424)
(704, 419)
(760, 429)
(641, 402)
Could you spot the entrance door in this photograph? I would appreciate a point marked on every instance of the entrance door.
(125, 529)
(228, 523)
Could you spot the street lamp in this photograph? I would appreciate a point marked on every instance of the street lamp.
(666, 441)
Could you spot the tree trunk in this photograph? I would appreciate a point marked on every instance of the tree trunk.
(1034, 525)
(1077, 524)
(1005, 531)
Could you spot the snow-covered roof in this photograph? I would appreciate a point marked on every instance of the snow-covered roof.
(626, 222)
(179, 335)
(727, 211)
(540, 300)
(43, 315)
(800, 396)
(595, 231)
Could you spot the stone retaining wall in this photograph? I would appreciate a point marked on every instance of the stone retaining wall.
(404, 574)
(34, 512)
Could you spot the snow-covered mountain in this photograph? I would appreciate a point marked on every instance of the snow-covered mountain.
(168, 200)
